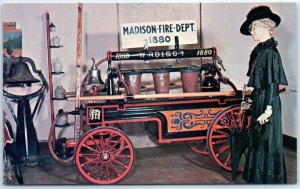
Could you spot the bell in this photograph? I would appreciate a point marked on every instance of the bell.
(94, 76)
(20, 74)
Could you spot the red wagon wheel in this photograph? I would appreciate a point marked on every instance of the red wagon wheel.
(218, 136)
(198, 146)
(104, 155)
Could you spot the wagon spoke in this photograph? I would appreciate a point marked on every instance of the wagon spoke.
(226, 124)
(91, 170)
(229, 128)
(120, 156)
(97, 146)
(227, 159)
(120, 149)
(88, 162)
(88, 147)
(108, 142)
(101, 142)
(115, 144)
(219, 141)
(86, 158)
(214, 138)
(113, 168)
(100, 170)
(221, 132)
(83, 155)
(222, 149)
(107, 172)
(120, 163)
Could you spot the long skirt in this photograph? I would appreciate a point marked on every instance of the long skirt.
(265, 159)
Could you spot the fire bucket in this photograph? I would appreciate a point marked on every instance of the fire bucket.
(133, 80)
(189, 78)
(161, 80)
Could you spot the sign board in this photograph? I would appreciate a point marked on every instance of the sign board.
(134, 35)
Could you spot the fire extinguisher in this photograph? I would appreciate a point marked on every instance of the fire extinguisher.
(209, 81)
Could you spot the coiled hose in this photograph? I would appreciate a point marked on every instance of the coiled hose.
(50, 140)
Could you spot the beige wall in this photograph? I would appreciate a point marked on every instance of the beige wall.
(220, 28)
(221, 24)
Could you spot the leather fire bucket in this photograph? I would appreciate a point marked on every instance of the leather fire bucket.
(161, 80)
(133, 81)
(189, 79)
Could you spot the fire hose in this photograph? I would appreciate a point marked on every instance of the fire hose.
(51, 138)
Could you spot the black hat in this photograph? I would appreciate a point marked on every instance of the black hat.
(257, 13)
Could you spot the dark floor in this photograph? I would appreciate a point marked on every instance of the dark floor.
(165, 164)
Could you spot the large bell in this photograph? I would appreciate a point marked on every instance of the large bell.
(94, 76)
(20, 74)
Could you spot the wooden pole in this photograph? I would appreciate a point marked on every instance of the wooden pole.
(50, 75)
(155, 96)
(183, 95)
(98, 98)
(78, 71)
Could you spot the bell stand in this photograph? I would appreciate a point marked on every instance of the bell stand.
(26, 137)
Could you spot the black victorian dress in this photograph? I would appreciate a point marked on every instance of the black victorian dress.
(265, 159)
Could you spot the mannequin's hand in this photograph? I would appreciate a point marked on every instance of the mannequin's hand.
(264, 118)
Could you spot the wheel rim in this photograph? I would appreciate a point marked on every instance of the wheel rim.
(218, 137)
(198, 146)
(104, 156)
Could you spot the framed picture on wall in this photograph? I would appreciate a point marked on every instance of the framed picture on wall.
(12, 44)
(12, 38)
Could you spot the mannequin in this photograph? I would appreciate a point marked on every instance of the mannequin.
(265, 159)
(261, 33)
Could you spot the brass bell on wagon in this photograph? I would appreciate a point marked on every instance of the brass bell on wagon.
(94, 76)
(20, 74)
